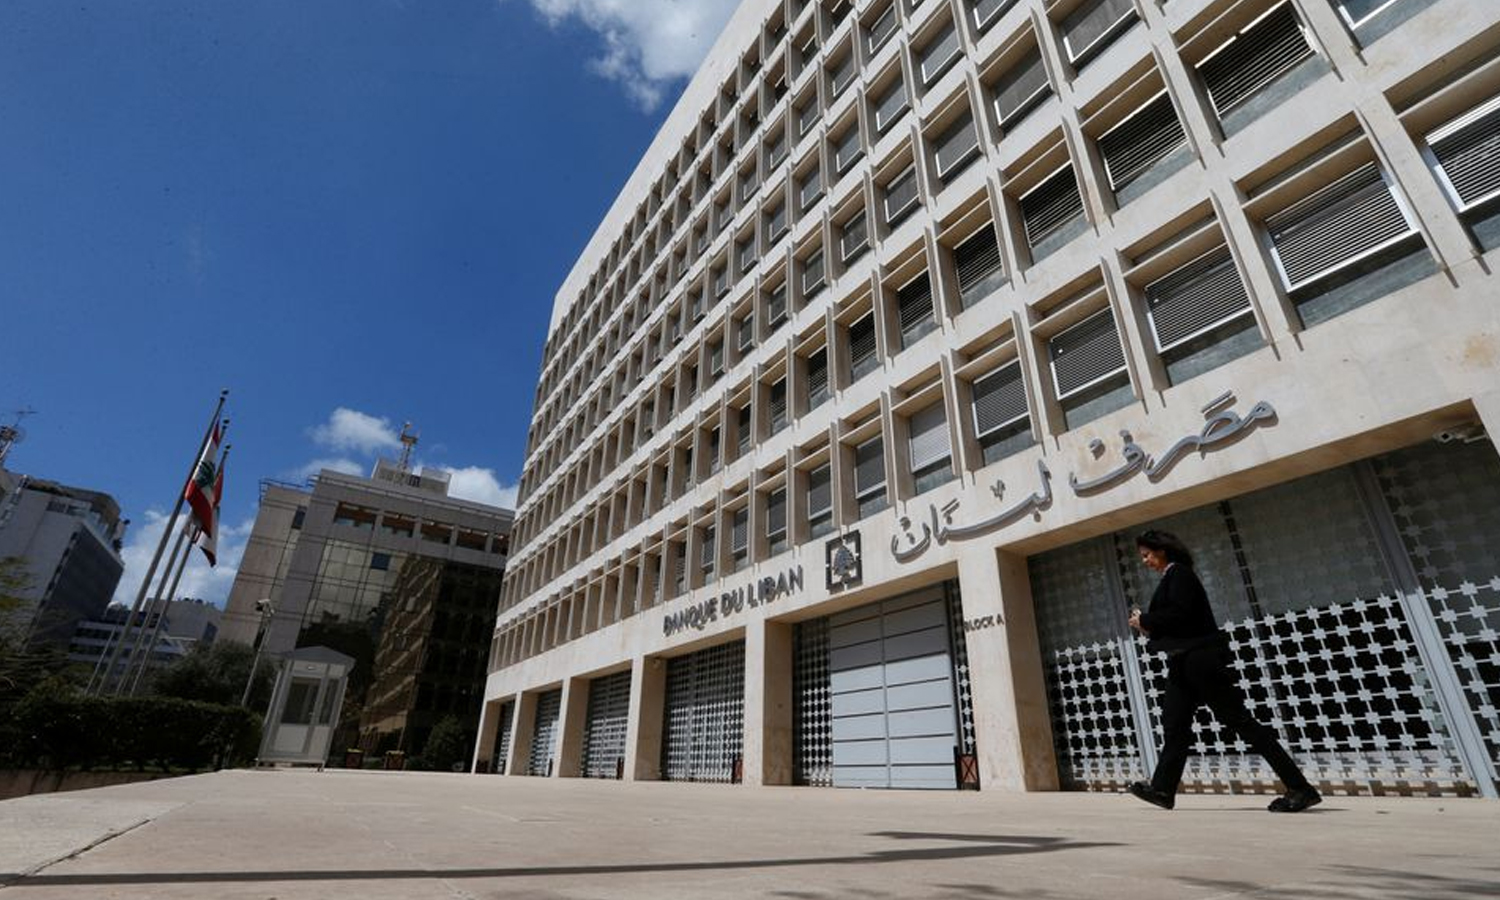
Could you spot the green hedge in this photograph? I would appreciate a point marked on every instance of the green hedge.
(57, 730)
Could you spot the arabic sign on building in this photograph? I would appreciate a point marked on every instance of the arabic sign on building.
(1222, 427)
(709, 610)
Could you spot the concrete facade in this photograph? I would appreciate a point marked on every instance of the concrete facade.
(1183, 307)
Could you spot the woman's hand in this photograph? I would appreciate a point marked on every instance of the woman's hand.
(1135, 620)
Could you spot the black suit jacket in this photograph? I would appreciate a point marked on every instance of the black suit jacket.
(1180, 618)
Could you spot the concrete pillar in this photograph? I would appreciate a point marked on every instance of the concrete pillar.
(574, 712)
(489, 728)
(1488, 407)
(1012, 728)
(520, 741)
(768, 703)
(648, 694)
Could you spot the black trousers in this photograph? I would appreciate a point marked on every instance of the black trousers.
(1203, 677)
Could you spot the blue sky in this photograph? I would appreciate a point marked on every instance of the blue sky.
(351, 213)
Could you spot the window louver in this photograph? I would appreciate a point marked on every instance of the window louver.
(1089, 28)
(744, 427)
(1051, 205)
(841, 74)
(1196, 298)
(869, 467)
(848, 150)
(862, 341)
(929, 437)
(776, 152)
(914, 302)
(776, 306)
(721, 282)
(1086, 354)
(890, 107)
(999, 399)
(1253, 59)
(855, 238)
(812, 188)
(1133, 146)
(817, 377)
(778, 405)
(807, 117)
(740, 531)
(707, 555)
(747, 333)
(812, 274)
(716, 358)
(1335, 226)
(1021, 88)
(747, 255)
(977, 262)
(986, 11)
(776, 223)
(956, 146)
(819, 491)
(900, 196)
(776, 513)
(1467, 151)
(882, 28)
(939, 54)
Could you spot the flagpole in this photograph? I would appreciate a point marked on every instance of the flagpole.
(161, 545)
(175, 561)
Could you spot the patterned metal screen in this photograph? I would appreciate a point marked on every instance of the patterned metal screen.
(544, 733)
(604, 728)
(812, 719)
(704, 727)
(503, 732)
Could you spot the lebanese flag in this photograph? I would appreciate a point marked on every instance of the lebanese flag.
(198, 492)
(207, 539)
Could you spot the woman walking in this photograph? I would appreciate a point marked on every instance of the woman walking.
(1181, 624)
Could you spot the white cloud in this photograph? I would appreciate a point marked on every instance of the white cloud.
(198, 580)
(647, 43)
(350, 429)
(482, 486)
(338, 464)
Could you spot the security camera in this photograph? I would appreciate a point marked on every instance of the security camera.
(1466, 433)
(263, 604)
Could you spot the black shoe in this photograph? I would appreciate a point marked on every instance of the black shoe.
(1151, 795)
(1296, 800)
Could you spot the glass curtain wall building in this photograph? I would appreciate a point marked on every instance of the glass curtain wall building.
(917, 310)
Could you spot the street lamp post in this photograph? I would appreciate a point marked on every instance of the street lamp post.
(266, 612)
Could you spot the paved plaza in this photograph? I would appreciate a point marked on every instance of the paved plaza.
(337, 834)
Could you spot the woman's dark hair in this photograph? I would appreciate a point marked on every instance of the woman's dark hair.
(1166, 543)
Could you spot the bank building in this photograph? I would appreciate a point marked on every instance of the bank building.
(915, 312)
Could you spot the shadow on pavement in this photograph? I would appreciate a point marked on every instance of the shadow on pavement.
(979, 846)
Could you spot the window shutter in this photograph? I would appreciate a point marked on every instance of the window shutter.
(807, 117)
(819, 491)
(817, 377)
(1199, 296)
(1086, 354)
(862, 340)
(914, 302)
(812, 274)
(778, 404)
(747, 254)
(939, 54)
(740, 531)
(708, 549)
(977, 262)
(1090, 27)
(1338, 224)
(812, 188)
(847, 149)
(882, 28)
(956, 146)
(1051, 205)
(744, 427)
(716, 357)
(747, 332)
(1467, 151)
(776, 512)
(900, 195)
(929, 437)
(869, 467)
(1021, 87)
(999, 399)
(890, 106)
(776, 305)
(841, 74)
(987, 11)
(1147, 135)
(855, 238)
(1253, 59)
(776, 223)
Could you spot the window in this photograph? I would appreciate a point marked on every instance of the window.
(807, 115)
(930, 448)
(775, 223)
(298, 517)
(901, 196)
(985, 12)
(380, 562)
(354, 516)
(841, 74)
(1248, 62)
(881, 29)
(437, 533)
(1196, 307)
(914, 306)
(812, 275)
(846, 148)
(854, 238)
(745, 326)
(1020, 88)
(869, 476)
(776, 306)
(956, 147)
(810, 188)
(776, 535)
(1463, 154)
(739, 540)
(720, 276)
(746, 431)
(1087, 358)
(1050, 206)
(820, 501)
(890, 105)
(977, 262)
(716, 358)
(817, 378)
(748, 182)
(1000, 412)
(708, 554)
(1146, 136)
(1091, 27)
(776, 149)
(777, 402)
(939, 54)
(862, 356)
(1342, 231)
(745, 251)
(713, 450)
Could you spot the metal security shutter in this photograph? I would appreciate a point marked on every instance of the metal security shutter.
(1021, 88)
(1090, 27)
(939, 54)
(1338, 224)
(503, 730)
(705, 714)
(817, 378)
(869, 467)
(956, 146)
(1086, 354)
(914, 306)
(1051, 205)
(856, 237)
(891, 690)
(604, 729)
(861, 341)
(977, 262)
(544, 733)
(900, 195)
(812, 726)
(1147, 135)
(890, 107)
(1195, 299)
(929, 437)
(1254, 58)
(999, 399)
(1467, 152)
(986, 11)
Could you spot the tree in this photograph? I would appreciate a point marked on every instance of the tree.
(446, 746)
(21, 666)
(216, 673)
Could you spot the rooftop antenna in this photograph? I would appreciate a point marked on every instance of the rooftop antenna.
(10, 435)
(408, 442)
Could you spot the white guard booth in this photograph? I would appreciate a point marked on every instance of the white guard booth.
(304, 710)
